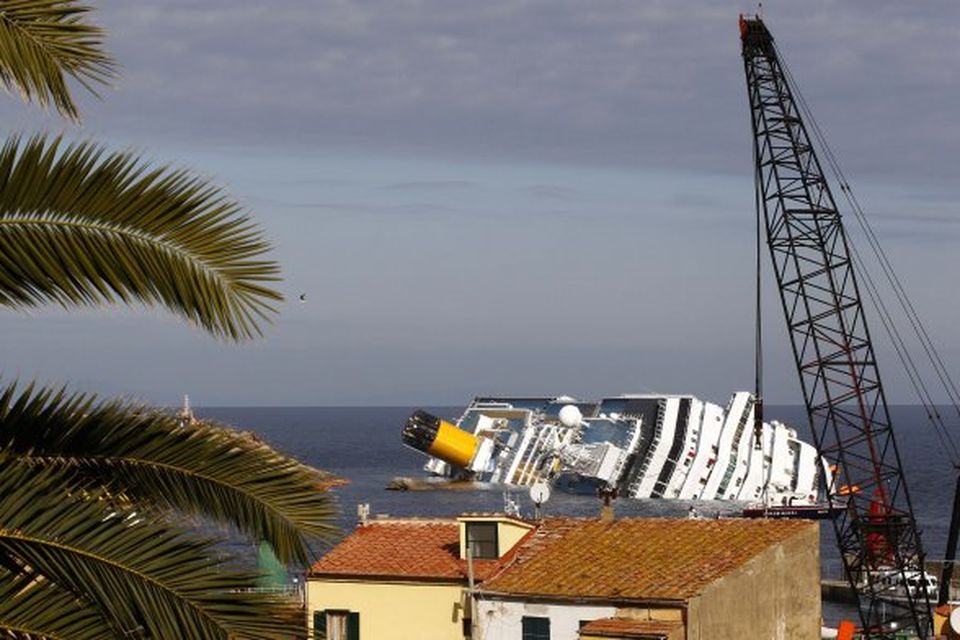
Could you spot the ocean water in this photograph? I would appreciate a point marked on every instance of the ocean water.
(362, 445)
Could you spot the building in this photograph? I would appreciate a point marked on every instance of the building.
(657, 578)
(569, 579)
(407, 579)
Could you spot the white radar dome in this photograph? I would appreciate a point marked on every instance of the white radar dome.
(570, 415)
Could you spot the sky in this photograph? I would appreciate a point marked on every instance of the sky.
(503, 197)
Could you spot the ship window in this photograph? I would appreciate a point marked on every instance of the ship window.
(482, 537)
(535, 628)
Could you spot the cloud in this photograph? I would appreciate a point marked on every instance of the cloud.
(430, 185)
(360, 207)
(554, 192)
(563, 81)
(428, 168)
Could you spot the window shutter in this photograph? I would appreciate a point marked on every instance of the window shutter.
(319, 624)
(353, 626)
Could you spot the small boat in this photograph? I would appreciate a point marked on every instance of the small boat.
(644, 446)
(891, 584)
(791, 512)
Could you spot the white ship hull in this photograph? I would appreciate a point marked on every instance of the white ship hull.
(646, 446)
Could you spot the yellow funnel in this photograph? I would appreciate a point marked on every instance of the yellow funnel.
(454, 445)
(440, 439)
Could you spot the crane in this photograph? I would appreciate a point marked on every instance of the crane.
(875, 528)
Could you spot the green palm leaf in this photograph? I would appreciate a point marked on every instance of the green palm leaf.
(31, 607)
(143, 574)
(42, 42)
(152, 458)
(81, 227)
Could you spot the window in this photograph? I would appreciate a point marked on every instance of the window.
(535, 628)
(336, 625)
(482, 537)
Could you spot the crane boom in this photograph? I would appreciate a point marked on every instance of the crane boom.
(876, 532)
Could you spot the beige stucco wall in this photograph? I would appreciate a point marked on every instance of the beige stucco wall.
(509, 532)
(775, 596)
(671, 614)
(393, 610)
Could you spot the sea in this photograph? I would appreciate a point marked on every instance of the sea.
(362, 445)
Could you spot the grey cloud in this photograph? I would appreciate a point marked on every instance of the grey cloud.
(360, 208)
(654, 83)
(696, 201)
(315, 182)
(430, 185)
(422, 98)
(946, 218)
(554, 192)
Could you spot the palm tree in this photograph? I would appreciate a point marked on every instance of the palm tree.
(97, 498)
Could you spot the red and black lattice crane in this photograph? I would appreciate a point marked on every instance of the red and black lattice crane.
(875, 527)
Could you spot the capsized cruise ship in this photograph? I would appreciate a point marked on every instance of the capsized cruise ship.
(645, 446)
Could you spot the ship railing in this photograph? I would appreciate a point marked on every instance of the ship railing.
(534, 456)
(654, 441)
(627, 452)
(735, 448)
(295, 591)
(280, 590)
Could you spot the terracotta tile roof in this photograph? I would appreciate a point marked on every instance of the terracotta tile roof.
(623, 628)
(635, 559)
(402, 549)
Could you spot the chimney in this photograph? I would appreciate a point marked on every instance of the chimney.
(606, 513)
(363, 513)
(607, 494)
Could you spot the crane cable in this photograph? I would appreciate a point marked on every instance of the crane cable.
(946, 381)
(916, 380)
(873, 292)
(890, 326)
(758, 335)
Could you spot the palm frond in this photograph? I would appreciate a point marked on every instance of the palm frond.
(42, 42)
(144, 574)
(32, 607)
(151, 457)
(82, 227)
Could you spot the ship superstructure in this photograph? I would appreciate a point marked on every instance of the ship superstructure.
(645, 446)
